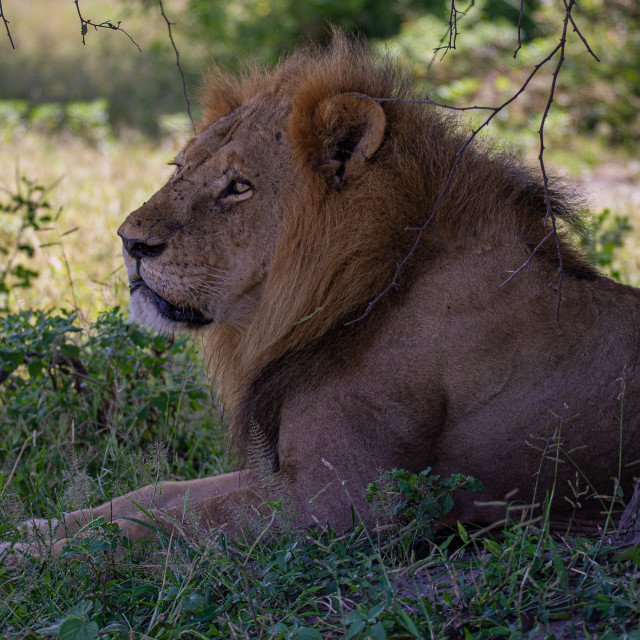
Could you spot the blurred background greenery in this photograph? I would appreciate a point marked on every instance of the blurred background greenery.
(94, 123)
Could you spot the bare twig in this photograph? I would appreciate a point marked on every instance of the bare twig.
(515, 53)
(549, 215)
(6, 25)
(527, 262)
(495, 110)
(107, 24)
(428, 101)
(453, 29)
(15, 465)
(545, 177)
(446, 34)
(184, 83)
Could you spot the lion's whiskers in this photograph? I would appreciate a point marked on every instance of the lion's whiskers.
(211, 287)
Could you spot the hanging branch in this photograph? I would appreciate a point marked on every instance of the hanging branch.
(6, 25)
(107, 24)
(577, 31)
(549, 215)
(184, 83)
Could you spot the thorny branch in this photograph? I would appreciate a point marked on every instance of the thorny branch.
(453, 28)
(6, 25)
(576, 30)
(107, 24)
(553, 232)
(173, 44)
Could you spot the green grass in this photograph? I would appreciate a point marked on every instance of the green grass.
(317, 585)
(89, 412)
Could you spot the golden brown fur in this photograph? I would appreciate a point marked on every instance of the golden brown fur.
(288, 214)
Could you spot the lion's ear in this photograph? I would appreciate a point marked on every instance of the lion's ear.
(338, 134)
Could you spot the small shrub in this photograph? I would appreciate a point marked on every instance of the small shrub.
(22, 212)
(88, 119)
(47, 117)
(78, 395)
(416, 501)
(604, 235)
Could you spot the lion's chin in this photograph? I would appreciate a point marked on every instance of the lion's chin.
(154, 312)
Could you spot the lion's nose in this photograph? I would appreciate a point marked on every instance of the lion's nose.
(139, 249)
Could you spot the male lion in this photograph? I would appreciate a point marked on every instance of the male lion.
(287, 214)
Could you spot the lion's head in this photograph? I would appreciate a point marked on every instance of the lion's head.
(289, 210)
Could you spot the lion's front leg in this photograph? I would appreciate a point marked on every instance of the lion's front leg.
(165, 497)
(172, 507)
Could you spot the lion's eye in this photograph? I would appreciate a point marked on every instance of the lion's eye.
(178, 169)
(239, 187)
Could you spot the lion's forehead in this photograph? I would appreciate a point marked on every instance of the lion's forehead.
(250, 130)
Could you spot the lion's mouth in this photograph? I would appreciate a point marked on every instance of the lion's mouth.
(166, 309)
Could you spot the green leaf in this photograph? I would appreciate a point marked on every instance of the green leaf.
(446, 504)
(410, 625)
(377, 632)
(463, 533)
(355, 628)
(139, 338)
(277, 628)
(76, 629)
(561, 570)
(352, 616)
(374, 612)
(99, 545)
(35, 367)
(11, 359)
(159, 343)
(80, 609)
(160, 402)
(70, 350)
(195, 602)
(632, 554)
(493, 547)
(308, 633)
